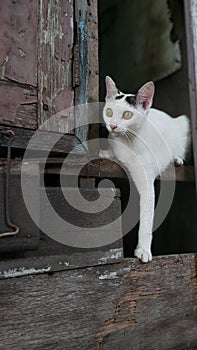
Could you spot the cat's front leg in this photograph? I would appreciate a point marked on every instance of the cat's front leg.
(147, 200)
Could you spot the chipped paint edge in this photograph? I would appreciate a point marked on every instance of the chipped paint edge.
(23, 272)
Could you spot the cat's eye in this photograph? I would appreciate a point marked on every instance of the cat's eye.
(127, 115)
(109, 112)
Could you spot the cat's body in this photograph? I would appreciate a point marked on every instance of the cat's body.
(154, 139)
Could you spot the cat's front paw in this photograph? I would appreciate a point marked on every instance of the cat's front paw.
(143, 255)
(179, 161)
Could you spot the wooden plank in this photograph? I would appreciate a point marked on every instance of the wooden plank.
(93, 64)
(191, 30)
(55, 65)
(18, 105)
(126, 305)
(81, 86)
(34, 264)
(93, 68)
(65, 143)
(104, 168)
(18, 49)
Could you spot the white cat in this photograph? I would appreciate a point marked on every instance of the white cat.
(155, 140)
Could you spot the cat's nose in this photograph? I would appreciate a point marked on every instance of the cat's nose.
(113, 126)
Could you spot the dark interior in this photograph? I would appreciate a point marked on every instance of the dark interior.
(138, 43)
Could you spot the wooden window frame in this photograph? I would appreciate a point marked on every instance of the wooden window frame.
(85, 38)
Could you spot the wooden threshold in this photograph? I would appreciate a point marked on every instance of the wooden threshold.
(99, 168)
(108, 306)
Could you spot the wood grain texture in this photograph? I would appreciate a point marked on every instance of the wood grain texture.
(18, 63)
(18, 41)
(55, 92)
(65, 143)
(81, 90)
(35, 263)
(93, 70)
(126, 305)
(93, 64)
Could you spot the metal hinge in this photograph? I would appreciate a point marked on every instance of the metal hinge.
(76, 64)
(8, 135)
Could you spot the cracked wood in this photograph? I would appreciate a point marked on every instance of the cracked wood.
(125, 305)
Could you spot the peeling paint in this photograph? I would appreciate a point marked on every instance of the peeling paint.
(21, 52)
(23, 272)
(11, 98)
(111, 275)
(3, 67)
(125, 312)
(113, 254)
(55, 68)
(18, 40)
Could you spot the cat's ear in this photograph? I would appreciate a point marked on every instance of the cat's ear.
(111, 89)
(145, 95)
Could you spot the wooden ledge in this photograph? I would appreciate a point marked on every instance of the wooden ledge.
(104, 168)
(100, 168)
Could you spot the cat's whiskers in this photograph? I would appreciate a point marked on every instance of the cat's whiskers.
(123, 132)
(129, 134)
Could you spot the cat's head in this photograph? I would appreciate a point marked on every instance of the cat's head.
(126, 111)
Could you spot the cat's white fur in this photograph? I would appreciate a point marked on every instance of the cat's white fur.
(155, 139)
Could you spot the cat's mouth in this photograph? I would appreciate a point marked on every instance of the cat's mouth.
(120, 131)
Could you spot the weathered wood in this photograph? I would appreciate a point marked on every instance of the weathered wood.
(18, 63)
(191, 30)
(18, 41)
(34, 264)
(93, 64)
(18, 106)
(55, 65)
(93, 68)
(29, 235)
(104, 218)
(65, 144)
(44, 49)
(81, 88)
(125, 305)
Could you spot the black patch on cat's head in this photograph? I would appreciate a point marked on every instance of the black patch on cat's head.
(131, 100)
(119, 97)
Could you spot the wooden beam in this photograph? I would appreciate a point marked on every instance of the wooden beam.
(65, 144)
(103, 168)
(125, 305)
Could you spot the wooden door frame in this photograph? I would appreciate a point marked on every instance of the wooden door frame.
(191, 35)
